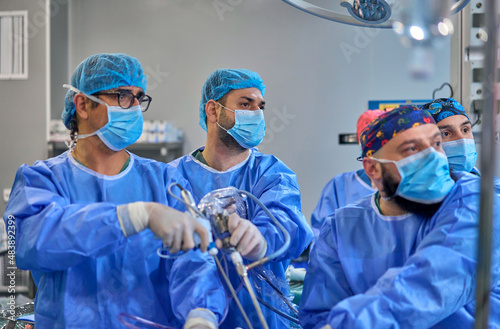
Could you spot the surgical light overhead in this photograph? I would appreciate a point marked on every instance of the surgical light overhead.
(368, 11)
(372, 13)
(420, 24)
(423, 21)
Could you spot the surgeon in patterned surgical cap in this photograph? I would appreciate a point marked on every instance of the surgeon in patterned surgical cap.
(406, 254)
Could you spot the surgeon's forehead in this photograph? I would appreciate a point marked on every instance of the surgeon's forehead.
(131, 88)
(417, 134)
(252, 92)
(454, 121)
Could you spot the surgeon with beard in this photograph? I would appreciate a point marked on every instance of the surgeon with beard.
(232, 113)
(404, 257)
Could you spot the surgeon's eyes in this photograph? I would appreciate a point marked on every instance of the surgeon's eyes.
(123, 97)
(445, 134)
(411, 149)
(465, 130)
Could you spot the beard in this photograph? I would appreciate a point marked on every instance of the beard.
(224, 136)
(389, 187)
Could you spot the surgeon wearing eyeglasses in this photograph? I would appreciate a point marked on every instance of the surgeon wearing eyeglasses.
(126, 105)
(88, 223)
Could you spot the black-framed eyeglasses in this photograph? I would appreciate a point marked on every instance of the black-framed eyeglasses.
(126, 98)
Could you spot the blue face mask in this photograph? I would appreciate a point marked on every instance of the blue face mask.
(425, 176)
(249, 127)
(461, 154)
(124, 126)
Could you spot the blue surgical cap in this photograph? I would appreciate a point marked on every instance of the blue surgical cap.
(103, 72)
(222, 81)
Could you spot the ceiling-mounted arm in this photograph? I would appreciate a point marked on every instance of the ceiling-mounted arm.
(355, 19)
(459, 5)
(333, 16)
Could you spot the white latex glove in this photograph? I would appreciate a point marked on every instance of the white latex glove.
(246, 237)
(201, 318)
(200, 326)
(173, 227)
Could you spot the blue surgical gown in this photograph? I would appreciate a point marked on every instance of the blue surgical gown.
(496, 181)
(342, 190)
(86, 271)
(275, 185)
(372, 271)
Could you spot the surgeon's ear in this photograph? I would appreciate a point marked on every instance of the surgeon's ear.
(372, 169)
(81, 105)
(211, 111)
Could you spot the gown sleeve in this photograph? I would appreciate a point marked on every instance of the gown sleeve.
(325, 283)
(327, 204)
(194, 274)
(278, 190)
(53, 234)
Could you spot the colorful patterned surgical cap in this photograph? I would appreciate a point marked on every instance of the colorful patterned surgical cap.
(390, 124)
(364, 119)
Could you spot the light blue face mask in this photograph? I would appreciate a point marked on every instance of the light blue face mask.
(425, 176)
(249, 127)
(461, 154)
(124, 126)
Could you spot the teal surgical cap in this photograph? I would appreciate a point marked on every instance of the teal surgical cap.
(222, 81)
(103, 72)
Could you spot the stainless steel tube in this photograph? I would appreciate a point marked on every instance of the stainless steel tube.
(488, 159)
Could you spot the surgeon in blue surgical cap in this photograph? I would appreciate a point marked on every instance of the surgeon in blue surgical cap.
(88, 223)
(232, 113)
(406, 256)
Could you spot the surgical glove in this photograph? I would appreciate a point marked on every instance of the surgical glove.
(246, 237)
(201, 318)
(173, 227)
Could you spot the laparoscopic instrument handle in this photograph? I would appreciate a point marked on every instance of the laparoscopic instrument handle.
(188, 199)
(221, 228)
